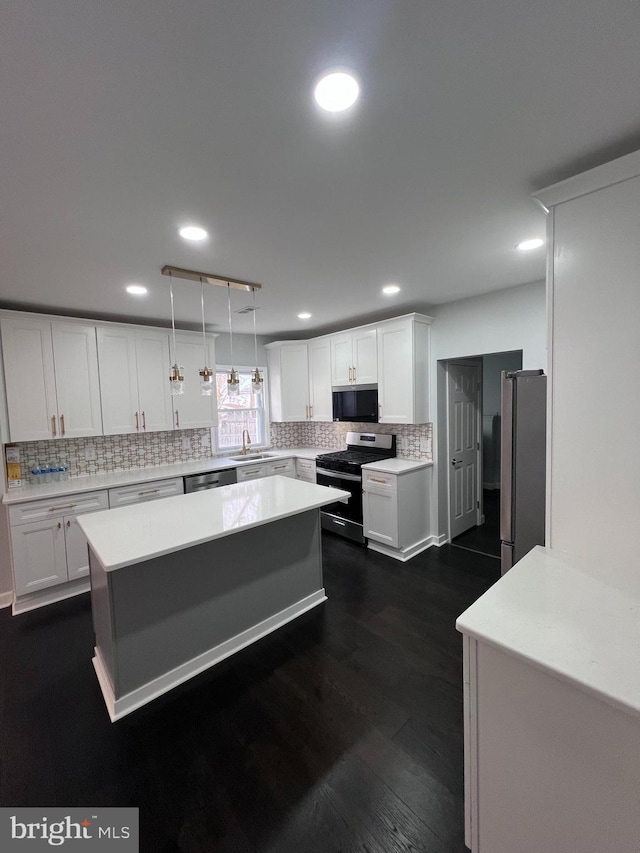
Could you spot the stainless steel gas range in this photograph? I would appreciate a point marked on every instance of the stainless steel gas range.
(342, 470)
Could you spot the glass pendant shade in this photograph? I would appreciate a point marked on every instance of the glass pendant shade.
(233, 382)
(206, 382)
(176, 379)
(257, 382)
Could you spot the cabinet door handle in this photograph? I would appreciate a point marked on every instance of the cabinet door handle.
(377, 480)
(177, 419)
(310, 412)
(68, 523)
(350, 372)
(53, 425)
(137, 423)
(59, 525)
(354, 374)
(62, 425)
(144, 421)
(379, 410)
(279, 467)
(149, 492)
(58, 508)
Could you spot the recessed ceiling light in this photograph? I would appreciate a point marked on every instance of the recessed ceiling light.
(304, 316)
(390, 288)
(336, 92)
(192, 232)
(528, 245)
(136, 289)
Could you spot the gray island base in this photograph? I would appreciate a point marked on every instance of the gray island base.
(162, 620)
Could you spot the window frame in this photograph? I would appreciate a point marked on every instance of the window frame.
(243, 369)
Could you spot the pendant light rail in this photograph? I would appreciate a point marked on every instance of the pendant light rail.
(210, 278)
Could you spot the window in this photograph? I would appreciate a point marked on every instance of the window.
(236, 412)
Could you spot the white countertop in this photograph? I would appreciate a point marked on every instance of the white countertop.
(128, 535)
(572, 618)
(397, 466)
(114, 479)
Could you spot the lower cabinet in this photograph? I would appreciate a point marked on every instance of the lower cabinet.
(277, 467)
(306, 470)
(396, 511)
(47, 545)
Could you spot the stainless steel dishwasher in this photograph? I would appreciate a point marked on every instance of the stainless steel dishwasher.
(200, 482)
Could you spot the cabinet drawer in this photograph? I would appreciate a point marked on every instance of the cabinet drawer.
(251, 472)
(376, 480)
(306, 466)
(145, 492)
(283, 467)
(64, 505)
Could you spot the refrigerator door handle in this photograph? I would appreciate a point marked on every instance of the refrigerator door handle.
(506, 458)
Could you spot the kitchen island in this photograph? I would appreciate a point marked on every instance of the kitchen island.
(180, 584)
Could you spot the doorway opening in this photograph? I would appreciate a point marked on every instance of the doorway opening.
(467, 476)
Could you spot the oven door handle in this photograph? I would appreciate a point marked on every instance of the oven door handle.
(339, 475)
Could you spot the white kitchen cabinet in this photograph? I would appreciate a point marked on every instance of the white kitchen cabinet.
(148, 491)
(281, 468)
(47, 547)
(306, 470)
(134, 380)
(191, 410)
(51, 379)
(288, 366)
(353, 357)
(396, 509)
(251, 472)
(320, 399)
(39, 555)
(403, 370)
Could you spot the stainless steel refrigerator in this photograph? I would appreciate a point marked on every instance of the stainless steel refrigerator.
(522, 464)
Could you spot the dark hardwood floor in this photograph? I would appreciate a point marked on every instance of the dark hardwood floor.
(484, 538)
(340, 732)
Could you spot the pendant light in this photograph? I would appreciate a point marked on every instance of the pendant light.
(233, 380)
(176, 377)
(206, 374)
(257, 382)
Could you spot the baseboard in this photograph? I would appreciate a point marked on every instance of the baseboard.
(441, 540)
(403, 554)
(6, 599)
(49, 596)
(118, 708)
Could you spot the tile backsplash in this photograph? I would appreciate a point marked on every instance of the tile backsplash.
(117, 452)
(414, 441)
(126, 452)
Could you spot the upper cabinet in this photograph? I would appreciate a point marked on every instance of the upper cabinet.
(403, 370)
(51, 379)
(353, 357)
(191, 410)
(134, 380)
(300, 380)
(320, 400)
(288, 367)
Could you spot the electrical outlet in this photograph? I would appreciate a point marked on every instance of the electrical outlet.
(186, 442)
(205, 441)
(90, 453)
(424, 445)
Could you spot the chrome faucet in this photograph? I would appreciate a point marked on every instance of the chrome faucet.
(248, 441)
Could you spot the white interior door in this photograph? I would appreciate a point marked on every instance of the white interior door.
(463, 393)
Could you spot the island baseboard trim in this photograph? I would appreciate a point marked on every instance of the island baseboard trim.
(118, 708)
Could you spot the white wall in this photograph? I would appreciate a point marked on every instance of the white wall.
(512, 319)
(243, 350)
(503, 321)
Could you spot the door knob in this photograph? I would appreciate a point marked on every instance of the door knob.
(455, 461)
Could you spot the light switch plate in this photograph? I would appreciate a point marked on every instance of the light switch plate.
(90, 453)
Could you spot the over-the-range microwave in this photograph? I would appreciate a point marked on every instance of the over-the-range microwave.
(359, 405)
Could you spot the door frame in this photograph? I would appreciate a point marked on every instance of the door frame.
(477, 363)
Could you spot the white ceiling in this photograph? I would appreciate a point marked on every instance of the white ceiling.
(121, 120)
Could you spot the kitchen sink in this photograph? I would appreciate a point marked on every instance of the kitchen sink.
(250, 457)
